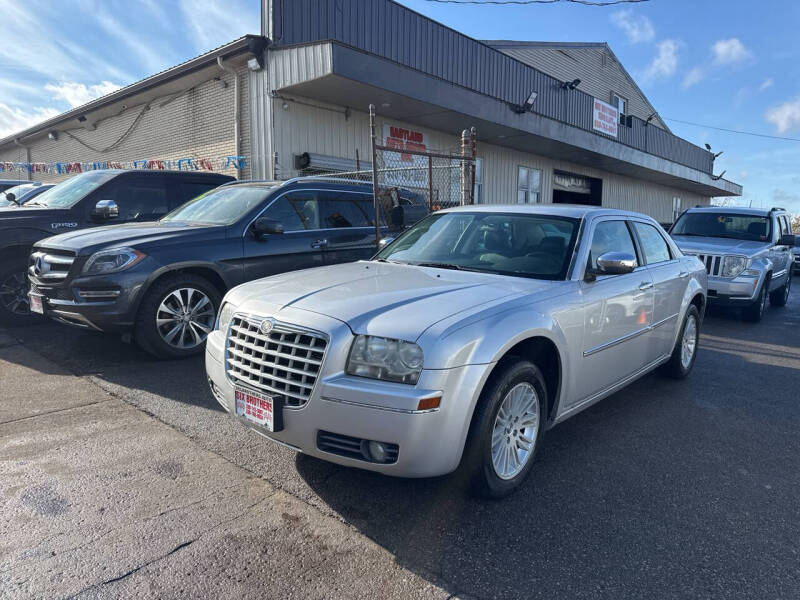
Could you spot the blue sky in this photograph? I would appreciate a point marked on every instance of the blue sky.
(731, 64)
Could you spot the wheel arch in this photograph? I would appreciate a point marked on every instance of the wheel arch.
(200, 269)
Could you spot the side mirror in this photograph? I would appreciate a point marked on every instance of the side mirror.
(615, 263)
(105, 209)
(265, 226)
(787, 240)
(383, 242)
(11, 197)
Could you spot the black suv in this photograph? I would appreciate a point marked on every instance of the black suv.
(86, 200)
(162, 282)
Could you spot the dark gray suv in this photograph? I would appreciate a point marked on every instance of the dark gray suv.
(161, 282)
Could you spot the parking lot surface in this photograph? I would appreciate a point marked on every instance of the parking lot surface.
(668, 489)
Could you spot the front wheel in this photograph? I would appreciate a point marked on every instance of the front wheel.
(176, 316)
(781, 296)
(755, 311)
(683, 355)
(15, 307)
(506, 430)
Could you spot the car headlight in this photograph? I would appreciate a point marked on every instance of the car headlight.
(385, 358)
(733, 265)
(112, 261)
(225, 316)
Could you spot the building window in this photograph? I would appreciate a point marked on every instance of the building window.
(529, 185)
(676, 208)
(477, 193)
(622, 106)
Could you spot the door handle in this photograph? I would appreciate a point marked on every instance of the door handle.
(319, 243)
(645, 285)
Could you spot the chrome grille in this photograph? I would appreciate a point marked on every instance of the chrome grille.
(49, 265)
(285, 361)
(712, 262)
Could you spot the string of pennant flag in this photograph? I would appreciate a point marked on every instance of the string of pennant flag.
(180, 164)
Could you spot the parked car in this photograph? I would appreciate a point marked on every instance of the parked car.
(162, 282)
(20, 194)
(87, 200)
(796, 253)
(9, 183)
(461, 341)
(746, 252)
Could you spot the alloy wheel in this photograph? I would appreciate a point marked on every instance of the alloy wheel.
(689, 341)
(764, 294)
(787, 288)
(516, 428)
(14, 294)
(184, 318)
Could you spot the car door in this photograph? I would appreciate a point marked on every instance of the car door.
(669, 283)
(349, 226)
(138, 197)
(781, 256)
(300, 246)
(618, 312)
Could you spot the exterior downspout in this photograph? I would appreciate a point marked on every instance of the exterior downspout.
(27, 154)
(236, 117)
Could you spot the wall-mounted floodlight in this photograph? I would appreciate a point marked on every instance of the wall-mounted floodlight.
(523, 108)
(717, 154)
(53, 135)
(708, 147)
(570, 85)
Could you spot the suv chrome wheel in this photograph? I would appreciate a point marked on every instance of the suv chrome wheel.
(515, 429)
(184, 318)
(689, 341)
(14, 294)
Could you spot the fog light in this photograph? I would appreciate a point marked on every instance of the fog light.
(377, 451)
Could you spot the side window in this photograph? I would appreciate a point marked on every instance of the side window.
(785, 227)
(610, 236)
(342, 210)
(654, 246)
(296, 211)
(140, 199)
(193, 189)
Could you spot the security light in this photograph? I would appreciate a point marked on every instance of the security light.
(523, 108)
(708, 147)
(53, 135)
(570, 85)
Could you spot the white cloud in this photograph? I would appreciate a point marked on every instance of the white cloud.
(638, 28)
(766, 84)
(13, 119)
(785, 116)
(730, 52)
(693, 77)
(77, 94)
(665, 62)
(212, 24)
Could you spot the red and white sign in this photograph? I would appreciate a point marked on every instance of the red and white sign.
(256, 407)
(605, 118)
(404, 139)
(404, 169)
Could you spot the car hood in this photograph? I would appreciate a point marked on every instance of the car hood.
(137, 235)
(390, 300)
(714, 245)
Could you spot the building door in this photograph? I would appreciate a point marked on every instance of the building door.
(570, 188)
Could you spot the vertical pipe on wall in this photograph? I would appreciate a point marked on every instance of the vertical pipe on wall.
(236, 117)
(374, 143)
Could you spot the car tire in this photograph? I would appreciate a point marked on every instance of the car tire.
(515, 382)
(183, 301)
(14, 302)
(754, 312)
(781, 296)
(684, 353)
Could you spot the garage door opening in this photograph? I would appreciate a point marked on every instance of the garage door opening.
(569, 188)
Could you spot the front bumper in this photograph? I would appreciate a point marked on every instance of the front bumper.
(114, 312)
(736, 291)
(430, 443)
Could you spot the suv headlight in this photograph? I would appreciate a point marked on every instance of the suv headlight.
(733, 265)
(225, 316)
(112, 261)
(385, 358)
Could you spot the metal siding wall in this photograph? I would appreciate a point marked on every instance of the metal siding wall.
(392, 31)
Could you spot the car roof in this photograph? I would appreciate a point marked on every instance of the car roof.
(736, 210)
(575, 211)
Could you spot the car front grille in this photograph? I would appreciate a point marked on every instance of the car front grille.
(51, 265)
(285, 361)
(712, 262)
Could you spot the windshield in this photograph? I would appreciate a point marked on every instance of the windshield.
(537, 246)
(72, 191)
(725, 225)
(19, 192)
(220, 206)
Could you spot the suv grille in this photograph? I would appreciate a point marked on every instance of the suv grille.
(51, 265)
(713, 263)
(286, 361)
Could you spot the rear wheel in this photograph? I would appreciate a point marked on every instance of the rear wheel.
(755, 311)
(176, 316)
(781, 296)
(506, 430)
(15, 308)
(682, 360)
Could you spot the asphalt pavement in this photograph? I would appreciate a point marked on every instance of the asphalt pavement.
(668, 489)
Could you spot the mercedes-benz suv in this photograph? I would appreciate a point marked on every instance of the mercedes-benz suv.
(746, 251)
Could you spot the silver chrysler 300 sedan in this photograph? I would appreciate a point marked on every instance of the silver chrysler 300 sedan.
(461, 341)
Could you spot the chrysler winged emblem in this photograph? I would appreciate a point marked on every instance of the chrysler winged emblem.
(266, 326)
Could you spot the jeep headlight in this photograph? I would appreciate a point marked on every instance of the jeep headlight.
(385, 358)
(113, 260)
(733, 265)
(225, 316)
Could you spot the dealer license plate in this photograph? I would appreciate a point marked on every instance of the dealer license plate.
(259, 408)
(36, 304)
